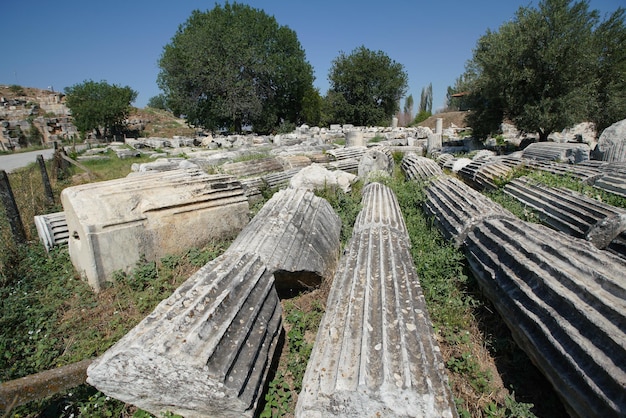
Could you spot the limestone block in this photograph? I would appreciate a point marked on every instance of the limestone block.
(205, 350)
(355, 139)
(612, 143)
(52, 229)
(349, 165)
(294, 161)
(296, 234)
(420, 168)
(253, 167)
(561, 152)
(565, 303)
(435, 142)
(376, 159)
(114, 223)
(570, 212)
(457, 208)
(375, 353)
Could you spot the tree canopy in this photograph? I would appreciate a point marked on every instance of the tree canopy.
(234, 66)
(365, 87)
(96, 105)
(549, 68)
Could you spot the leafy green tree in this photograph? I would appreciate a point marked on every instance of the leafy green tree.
(365, 87)
(234, 66)
(540, 70)
(158, 102)
(462, 85)
(97, 105)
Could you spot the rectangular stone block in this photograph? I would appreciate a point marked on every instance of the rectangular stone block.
(113, 224)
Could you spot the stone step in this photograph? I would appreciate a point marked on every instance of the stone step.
(204, 351)
(52, 229)
(297, 235)
(457, 208)
(565, 303)
(561, 152)
(113, 224)
(570, 212)
(375, 353)
(419, 168)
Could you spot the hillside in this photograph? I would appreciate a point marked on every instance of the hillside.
(456, 118)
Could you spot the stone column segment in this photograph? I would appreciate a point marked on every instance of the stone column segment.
(570, 212)
(457, 208)
(419, 168)
(205, 350)
(565, 303)
(294, 232)
(375, 353)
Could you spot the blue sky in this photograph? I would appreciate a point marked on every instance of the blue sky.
(61, 43)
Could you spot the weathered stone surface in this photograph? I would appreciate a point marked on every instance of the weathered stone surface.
(349, 165)
(253, 167)
(317, 177)
(294, 161)
(205, 350)
(420, 168)
(561, 152)
(375, 353)
(114, 223)
(570, 212)
(52, 229)
(614, 183)
(376, 160)
(583, 173)
(565, 303)
(355, 138)
(457, 208)
(296, 234)
(163, 164)
(612, 143)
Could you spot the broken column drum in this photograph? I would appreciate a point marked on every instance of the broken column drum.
(420, 168)
(204, 351)
(570, 212)
(113, 224)
(375, 353)
(297, 235)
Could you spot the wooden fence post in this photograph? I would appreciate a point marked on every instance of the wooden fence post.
(8, 200)
(46, 180)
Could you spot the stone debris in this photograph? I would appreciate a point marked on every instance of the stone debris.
(375, 353)
(571, 212)
(419, 168)
(612, 182)
(567, 152)
(296, 234)
(349, 165)
(279, 179)
(204, 351)
(565, 303)
(52, 229)
(344, 153)
(318, 177)
(113, 224)
(457, 208)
